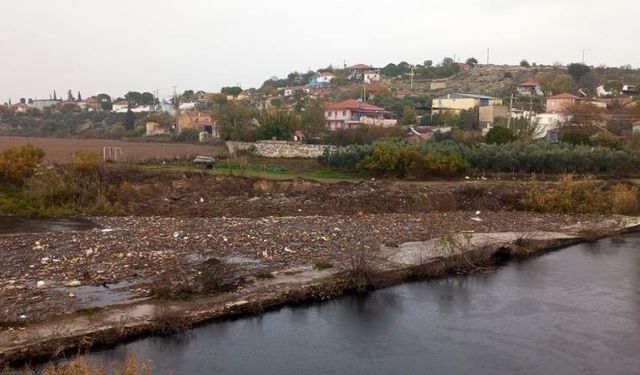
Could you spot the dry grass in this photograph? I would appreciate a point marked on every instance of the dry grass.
(80, 366)
(361, 263)
(582, 196)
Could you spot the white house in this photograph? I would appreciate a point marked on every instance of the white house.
(371, 76)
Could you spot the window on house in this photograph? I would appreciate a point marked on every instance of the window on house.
(344, 113)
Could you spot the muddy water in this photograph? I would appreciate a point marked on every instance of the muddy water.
(9, 225)
(576, 311)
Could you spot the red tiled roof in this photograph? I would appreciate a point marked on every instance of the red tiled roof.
(353, 105)
(360, 66)
(564, 96)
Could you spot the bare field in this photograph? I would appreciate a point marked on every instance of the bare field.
(60, 150)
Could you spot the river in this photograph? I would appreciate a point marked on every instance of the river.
(574, 311)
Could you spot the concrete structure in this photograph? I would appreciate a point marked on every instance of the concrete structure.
(561, 102)
(198, 120)
(457, 102)
(41, 104)
(547, 123)
(153, 128)
(488, 114)
(352, 113)
(530, 88)
(371, 77)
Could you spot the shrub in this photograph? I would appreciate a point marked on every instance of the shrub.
(582, 195)
(576, 136)
(81, 367)
(322, 265)
(499, 135)
(360, 264)
(19, 163)
(216, 276)
(264, 275)
(625, 199)
(606, 139)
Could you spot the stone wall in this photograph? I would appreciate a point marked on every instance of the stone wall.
(279, 149)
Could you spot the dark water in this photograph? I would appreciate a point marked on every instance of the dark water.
(576, 311)
(9, 225)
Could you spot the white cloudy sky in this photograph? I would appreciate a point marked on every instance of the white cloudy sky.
(120, 45)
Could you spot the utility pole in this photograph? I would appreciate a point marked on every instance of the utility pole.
(583, 50)
(364, 91)
(487, 56)
(510, 109)
(411, 75)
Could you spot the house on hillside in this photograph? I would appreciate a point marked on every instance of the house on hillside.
(350, 114)
(198, 120)
(371, 76)
(42, 104)
(529, 88)
(321, 80)
(628, 90)
(559, 103)
(457, 102)
(290, 91)
(362, 72)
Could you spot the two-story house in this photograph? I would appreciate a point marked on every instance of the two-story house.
(350, 114)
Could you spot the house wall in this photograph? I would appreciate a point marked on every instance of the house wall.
(490, 113)
(559, 105)
(455, 104)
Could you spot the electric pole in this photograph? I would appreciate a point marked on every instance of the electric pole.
(510, 109)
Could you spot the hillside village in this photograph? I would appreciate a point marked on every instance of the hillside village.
(413, 101)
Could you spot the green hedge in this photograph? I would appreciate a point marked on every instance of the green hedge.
(450, 158)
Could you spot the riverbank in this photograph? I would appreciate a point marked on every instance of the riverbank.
(296, 275)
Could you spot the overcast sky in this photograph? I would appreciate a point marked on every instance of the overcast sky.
(120, 45)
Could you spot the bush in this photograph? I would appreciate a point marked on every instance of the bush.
(19, 163)
(576, 136)
(499, 135)
(582, 195)
(364, 135)
(522, 157)
(606, 139)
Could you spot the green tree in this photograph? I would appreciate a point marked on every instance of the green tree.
(408, 115)
(499, 135)
(524, 63)
(578, 70)
(472, 61)
(428, 63)
(313, 121)
(614, 87)
(104, 101)
(235, 122)
(130, 119)
(277, 124)
(231, 91)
